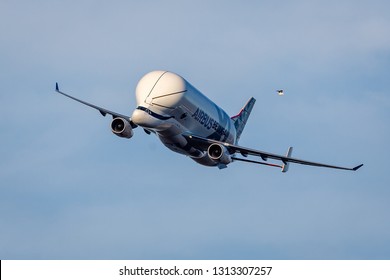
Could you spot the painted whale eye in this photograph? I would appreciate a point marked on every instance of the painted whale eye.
(183, 116)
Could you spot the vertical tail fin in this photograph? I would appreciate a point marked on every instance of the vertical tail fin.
(242, 117)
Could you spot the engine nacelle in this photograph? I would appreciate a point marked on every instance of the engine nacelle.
(122, 128)
(219, 153)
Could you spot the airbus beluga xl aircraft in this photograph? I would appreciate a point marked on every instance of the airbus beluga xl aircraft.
(189, 123)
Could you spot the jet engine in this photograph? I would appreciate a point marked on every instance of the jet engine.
(122, 128)
(219, 153)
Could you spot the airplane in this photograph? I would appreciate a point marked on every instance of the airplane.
(189, 123)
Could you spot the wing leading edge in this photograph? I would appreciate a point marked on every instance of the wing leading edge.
(102, 111)
(200, 141)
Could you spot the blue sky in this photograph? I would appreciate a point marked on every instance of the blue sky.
(70, 189)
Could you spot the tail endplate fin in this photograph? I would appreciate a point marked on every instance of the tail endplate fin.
(242, 117)
(286, 163)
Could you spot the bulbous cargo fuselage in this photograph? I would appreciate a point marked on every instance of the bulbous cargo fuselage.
(170, 106)
(189, 123)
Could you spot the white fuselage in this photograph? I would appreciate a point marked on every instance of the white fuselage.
(170, 107)
(189, 123)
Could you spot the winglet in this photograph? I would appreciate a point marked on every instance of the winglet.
(357, 167)
(57, 88)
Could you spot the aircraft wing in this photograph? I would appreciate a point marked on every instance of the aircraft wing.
(102, 111)
(202, 142)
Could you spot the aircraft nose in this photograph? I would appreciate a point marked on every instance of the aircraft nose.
(138, 117)
(143, 117)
